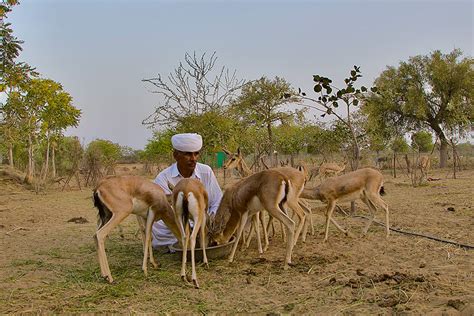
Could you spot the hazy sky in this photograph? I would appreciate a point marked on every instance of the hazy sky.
(101, 50)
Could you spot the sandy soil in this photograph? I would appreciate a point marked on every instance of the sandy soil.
(49, 265)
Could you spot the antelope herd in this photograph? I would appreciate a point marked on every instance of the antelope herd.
(279, 192)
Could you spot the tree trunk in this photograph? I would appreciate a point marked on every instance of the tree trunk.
(53, 162)
(407, 160)
(394, 165)
(46, 162)
(270, 138)
(443, 152)
(30, 166)
(10, 155)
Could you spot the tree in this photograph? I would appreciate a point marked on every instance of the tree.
(193, 89)
(40, 110)
(159, 146)
(331, 97)
(399, 145)
(422, 141)
(58, 114)
(261, 102)
(13, 76)
(434, 91)
(100, 154)
(290, 138)
(216, 127)
(69, 154)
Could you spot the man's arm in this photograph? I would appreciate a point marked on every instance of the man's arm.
(214, 192)
(162, 181)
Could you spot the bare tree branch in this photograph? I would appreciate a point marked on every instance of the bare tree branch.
(192, 89)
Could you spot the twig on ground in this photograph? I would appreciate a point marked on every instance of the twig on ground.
(15, 229)
(421, 235)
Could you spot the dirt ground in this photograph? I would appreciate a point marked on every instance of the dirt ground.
(48, 261)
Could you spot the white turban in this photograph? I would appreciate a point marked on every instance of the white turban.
(189, 142)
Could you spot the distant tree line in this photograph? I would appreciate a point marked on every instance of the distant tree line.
(423, 98)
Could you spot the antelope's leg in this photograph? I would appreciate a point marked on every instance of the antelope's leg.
(330, 208)
(196, 228)
(246, 240)
(185, 241)
(203, 242)
(290, 228)
(100, 236)
(257, 229)
(243, 220)
(264, 228)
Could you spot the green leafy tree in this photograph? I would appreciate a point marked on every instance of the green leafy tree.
(290, 138)
(102, 153)
(40, 110)
(217, 128)
(158, 147)
(13, 76)
(422, 141)
(261, 105)
(69, 154)
(58, 114)
(434, 91)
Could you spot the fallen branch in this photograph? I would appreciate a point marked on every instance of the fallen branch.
(421, 235)
(15, 229)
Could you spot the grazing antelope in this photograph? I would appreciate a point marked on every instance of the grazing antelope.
(119, 196)
(269, 190)
(328, 168)
(298, 179)
(190, 198)
(365, 184)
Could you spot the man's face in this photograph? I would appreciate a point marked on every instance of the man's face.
(186, 160)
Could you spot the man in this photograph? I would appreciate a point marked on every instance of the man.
(186, 149)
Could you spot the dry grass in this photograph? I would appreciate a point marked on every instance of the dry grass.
(49, 265)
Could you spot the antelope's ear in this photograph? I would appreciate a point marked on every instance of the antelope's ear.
(170, 186)
(238, 151)
(226, 151)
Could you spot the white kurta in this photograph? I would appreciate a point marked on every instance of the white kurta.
(162, 236)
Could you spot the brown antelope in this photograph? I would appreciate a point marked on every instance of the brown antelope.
(190, 198)
(424, 163)
(119, 196)
(269, 190)
(365, 184)
(328, 168)
(298, 179)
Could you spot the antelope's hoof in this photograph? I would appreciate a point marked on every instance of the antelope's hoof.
(108, 278)
(196, 285)
(206, 265)
(183, 277)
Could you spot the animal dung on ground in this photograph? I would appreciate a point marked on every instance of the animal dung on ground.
(78, 220)
(451, 209)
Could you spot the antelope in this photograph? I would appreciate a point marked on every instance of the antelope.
(328, 168)
(116, 198)
(269, 190)
(190, 197)
(298, 179)
(424, 163)
(365, 184)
